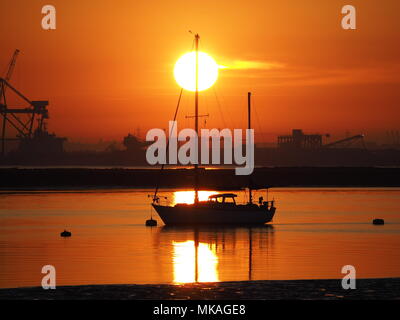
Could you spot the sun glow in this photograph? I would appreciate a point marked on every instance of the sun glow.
(185, 71)
(188, 196)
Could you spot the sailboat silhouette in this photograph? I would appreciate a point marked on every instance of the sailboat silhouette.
(219, 209)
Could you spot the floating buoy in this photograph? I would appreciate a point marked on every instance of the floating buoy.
(65, 233)
(378, 221)
(151, 223)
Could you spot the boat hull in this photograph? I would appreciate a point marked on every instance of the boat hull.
(192, 215)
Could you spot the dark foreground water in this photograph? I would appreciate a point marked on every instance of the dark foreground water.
(314, 234)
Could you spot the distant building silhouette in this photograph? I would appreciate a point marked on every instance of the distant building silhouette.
(299, 140)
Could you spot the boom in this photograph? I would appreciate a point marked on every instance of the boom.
(11, 65)
(348, 140)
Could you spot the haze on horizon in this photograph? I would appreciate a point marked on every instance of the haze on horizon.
(108, 67)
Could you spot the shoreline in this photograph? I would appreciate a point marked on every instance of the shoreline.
(324, 289)
(213, 179)
(116, 189)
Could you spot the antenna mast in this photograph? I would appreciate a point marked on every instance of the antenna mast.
(249, 126)
(196, 117)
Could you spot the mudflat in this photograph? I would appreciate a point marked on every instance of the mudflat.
(370, 289)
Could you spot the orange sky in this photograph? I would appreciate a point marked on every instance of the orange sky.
(108, 68)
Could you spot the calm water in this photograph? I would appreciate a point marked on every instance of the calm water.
(315, 232)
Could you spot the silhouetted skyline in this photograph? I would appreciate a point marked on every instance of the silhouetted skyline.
(108, 69)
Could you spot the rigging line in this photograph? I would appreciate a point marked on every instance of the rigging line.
(167, 147)
(206, 96)
(207, 114)
(166, 151)
(219, 108)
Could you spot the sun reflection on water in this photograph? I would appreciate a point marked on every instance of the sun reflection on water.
(191, 265)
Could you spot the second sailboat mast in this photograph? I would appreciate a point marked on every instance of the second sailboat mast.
(196, 119)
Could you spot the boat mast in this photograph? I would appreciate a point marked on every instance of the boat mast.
(196, 118)
(249, 126)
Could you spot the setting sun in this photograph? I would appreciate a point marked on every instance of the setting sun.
(185, 71)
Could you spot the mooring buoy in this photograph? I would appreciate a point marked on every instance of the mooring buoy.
(151, 223)
(65, 234)
(378, 221)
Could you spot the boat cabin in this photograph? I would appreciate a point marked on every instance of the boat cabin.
(223, 198)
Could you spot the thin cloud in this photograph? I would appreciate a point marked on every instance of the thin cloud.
(378, 74)
(281, 75)
(252, 65)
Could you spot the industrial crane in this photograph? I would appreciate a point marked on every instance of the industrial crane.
(10, 116)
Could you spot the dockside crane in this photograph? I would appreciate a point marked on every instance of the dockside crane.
(11, 115)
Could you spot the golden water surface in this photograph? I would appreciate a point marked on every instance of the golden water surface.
(314, 234)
